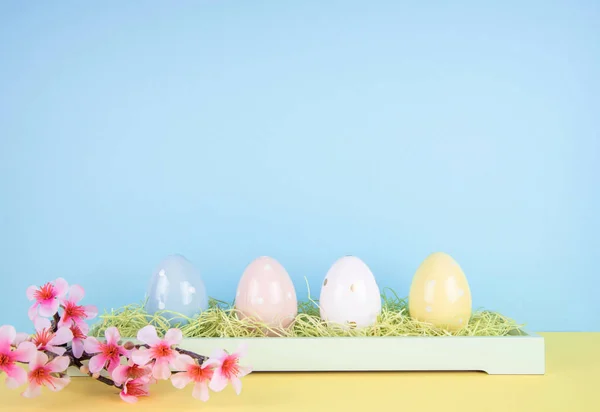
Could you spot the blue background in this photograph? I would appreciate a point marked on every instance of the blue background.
(305, 131)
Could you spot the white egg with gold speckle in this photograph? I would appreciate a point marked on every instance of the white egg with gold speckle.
(350, 297)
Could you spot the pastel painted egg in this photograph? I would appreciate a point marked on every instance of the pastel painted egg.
(350, 297)
(177, 286)
(266, 293)
(440, 293)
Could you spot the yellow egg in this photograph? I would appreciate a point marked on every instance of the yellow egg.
(440, 293)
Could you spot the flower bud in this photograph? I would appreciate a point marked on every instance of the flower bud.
(129, 345)
(84, 369)
(96, 375)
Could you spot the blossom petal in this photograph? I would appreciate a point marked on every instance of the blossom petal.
(218, 381)
(49, 307)
(128, 398)
(58, 383)
(91, 311)
(40, 324)
(62, 287)
(77, 348)
(124, 352)
(32, 391)
(76, 293)
(91, 345)
(15, 376)
(180, 380)
(211, 363)
(59, 364)
(97, 363)
(62, 335)
(244, 370)
(83, 327)
(21, 337)
(30, 292)
(37, 360)
(161, 370)
(141, 356)
(57, 350)
(7, 336)
(219, 354)
(112, 364)
(119, 374)
(173, 336)
(242, 350)
(200, 391)
(182, 362)
(32, 311)
(112, 335)
(237, 384)
(25, 352)
(148, 335)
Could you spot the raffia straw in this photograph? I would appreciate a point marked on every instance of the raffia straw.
(220, 320)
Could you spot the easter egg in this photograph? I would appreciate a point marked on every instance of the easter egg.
(177, 286)
(266, 294)
(440, 294)
(350, 297)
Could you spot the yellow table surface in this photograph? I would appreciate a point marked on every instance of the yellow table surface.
(571, 383)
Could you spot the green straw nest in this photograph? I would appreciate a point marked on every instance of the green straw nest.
(220, 320)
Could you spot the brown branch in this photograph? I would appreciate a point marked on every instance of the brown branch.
(54, 324)
(193, 355)
(78, 363)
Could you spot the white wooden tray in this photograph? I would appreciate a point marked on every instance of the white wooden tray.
(509, 355)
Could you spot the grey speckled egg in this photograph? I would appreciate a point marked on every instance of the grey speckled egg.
(177, 286)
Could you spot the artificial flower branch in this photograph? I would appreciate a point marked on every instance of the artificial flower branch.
(78, 362)
(63, 342)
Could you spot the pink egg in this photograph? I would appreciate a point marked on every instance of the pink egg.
(266, 293)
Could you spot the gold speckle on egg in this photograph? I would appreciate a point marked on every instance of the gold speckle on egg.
(325, 282)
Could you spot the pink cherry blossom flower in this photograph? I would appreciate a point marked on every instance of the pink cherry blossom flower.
(131, 371)
(107, 352)
(25, 351)
(133, 389)
(161, 350)
(43, 373)
(72, 312)
(46, 340)
(228, 369)
(47, 298)
(79, 336)
(192, 372)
